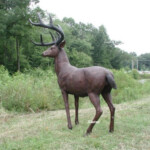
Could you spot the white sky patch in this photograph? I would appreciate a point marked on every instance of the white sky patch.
(125, 20)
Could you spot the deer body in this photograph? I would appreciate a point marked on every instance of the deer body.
(81, 82)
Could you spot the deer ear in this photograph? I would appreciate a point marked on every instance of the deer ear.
(62, 44)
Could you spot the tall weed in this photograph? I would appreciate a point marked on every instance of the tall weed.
(128, 88)
(36, 90)
(31, 91)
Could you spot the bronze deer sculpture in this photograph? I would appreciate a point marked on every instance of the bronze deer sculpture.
(81, 82)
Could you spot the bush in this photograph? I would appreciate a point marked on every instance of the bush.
(135, 74)
(36, 90)
(4, 75)
(145, 76)
(32, 91)
(128, 88)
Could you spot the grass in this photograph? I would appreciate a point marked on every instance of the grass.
(47, 130)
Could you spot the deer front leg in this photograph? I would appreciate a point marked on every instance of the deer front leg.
(76, 109)
(65, 97)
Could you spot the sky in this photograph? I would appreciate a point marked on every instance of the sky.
(124, 20)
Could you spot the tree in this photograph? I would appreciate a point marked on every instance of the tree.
(15, 15)
(101, 50)
(144, 61)
(86, 45)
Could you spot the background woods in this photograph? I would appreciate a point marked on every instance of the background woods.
(29, 88)
(86, 44)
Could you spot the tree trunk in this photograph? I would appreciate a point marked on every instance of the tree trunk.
(5, 53)
(18, 55)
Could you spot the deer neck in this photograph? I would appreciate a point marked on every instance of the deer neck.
(61, 61)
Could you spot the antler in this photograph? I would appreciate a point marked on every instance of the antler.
(58, 30)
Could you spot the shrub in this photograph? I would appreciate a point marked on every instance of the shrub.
(145, 76)
(32, 91)
(36, 90)
(128, 88)
(135, 74)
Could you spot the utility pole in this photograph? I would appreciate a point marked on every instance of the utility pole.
(132, 64)
(18, 54)
(137, 64)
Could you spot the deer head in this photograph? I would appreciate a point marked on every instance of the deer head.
(58, 42)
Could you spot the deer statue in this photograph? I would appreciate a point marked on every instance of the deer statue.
(81, 82)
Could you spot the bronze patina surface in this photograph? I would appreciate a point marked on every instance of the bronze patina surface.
(81, 82)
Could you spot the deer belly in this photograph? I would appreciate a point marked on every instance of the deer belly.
(75, 86)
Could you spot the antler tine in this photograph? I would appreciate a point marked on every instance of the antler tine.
(58, 35)
(58, 30)
(43, 44)
(40, 24)
(51, 21)
(32, 22)
(53, 38)
(38, 44)
(41, 39)
(40, 19)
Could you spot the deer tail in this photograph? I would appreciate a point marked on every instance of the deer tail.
(111, 81)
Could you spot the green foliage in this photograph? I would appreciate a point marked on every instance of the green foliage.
(30, 91)
(106, 54)
(4, 75)
(83, 40)
(145, 76)
(83, 59)
(15, 32)
(128, 88)
(36, 90)
(144, 62)
(135, 74)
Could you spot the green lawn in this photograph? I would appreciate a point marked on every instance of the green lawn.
(48, 130)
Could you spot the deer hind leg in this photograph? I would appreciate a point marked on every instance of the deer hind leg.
(107, 97)
(76, 109)
(96, 102)
(65, 97)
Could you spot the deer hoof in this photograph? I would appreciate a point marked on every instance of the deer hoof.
(87, 133)
(111, 130)
(70, 127)
(76, 122)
